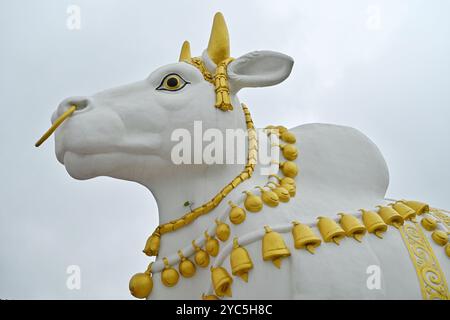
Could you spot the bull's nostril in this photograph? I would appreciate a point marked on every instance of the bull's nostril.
(80, 104)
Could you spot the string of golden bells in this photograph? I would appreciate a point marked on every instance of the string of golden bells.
(271, 195)
(274, 248)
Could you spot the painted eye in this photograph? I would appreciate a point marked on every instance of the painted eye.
(172, 82)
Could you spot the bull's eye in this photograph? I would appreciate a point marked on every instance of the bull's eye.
(172, 82)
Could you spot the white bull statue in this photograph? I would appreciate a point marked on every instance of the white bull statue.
(317, 227)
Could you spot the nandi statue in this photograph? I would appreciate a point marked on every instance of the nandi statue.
(311, 223)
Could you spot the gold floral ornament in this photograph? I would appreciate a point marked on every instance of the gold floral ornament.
(304, 237)
(431, 278)
(240, 261)
(222, 281)
(273, 247)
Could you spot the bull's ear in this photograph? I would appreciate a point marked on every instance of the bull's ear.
(259, 69)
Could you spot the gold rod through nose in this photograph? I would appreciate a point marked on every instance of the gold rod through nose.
(55, 125)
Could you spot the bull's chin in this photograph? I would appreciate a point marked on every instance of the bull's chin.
(80, 167)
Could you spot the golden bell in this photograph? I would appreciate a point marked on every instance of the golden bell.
(221, 281)
(330, 230)
(252, 203)
(281, 192)
(211, 245)
(287, 180)
(269, 197)
(186, 266)
(374, 223)
(141, 285)
(287, 183)
(240, 261)
(304, 237)
(273, 247)
(201, 258)
(290, 188)
(440, 237)
(352, 226)
(289, 169)
(418, 207)
(169, 276)
(237, 214)
(288, 137)
(289, 151)
(447, 250)
(406, 212)
(209, 297)
(152, 244)
(222, 230)
(390, 216)
(428, 223)
(281, 129)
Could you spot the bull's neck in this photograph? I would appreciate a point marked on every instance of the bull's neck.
(193, 184)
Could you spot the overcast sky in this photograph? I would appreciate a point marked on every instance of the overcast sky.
(382, 67)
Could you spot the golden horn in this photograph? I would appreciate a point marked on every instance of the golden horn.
(185, 54)
(55, 125)
(219, 42)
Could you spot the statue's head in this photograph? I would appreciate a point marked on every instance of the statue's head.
(125, 131)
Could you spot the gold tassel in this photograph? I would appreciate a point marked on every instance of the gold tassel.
(221, 86)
